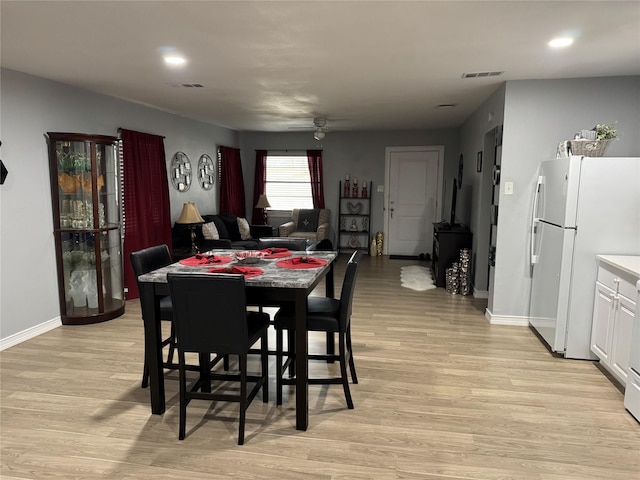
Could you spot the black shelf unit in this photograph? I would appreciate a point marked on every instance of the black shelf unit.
(354, 211)
(448, 240)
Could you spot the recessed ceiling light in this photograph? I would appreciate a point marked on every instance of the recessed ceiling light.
(561, 42)
(174, 60)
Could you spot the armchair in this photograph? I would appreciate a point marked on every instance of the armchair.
(312, 224)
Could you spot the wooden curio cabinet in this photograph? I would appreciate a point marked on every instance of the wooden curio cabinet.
(85, 195)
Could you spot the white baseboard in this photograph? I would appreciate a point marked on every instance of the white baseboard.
(480, 293)
(29, 333)
(506, 320)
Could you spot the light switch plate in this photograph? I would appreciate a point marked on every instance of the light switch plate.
(380, 188)
(508, 188)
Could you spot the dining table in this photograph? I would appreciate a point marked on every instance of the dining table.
(282, 279)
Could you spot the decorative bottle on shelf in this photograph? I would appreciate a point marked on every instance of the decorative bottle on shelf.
(364, 190)
(347, 187)
(355, 188)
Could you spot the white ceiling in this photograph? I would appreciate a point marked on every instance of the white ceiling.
(274, 65)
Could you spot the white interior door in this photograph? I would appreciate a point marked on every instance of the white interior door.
(414, 179)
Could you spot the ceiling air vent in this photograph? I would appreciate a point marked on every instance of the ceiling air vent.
(481, 74)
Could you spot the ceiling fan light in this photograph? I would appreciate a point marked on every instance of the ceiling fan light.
(318, 135)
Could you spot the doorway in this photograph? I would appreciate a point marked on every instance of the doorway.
(413, 198)
(482, 236)
(493, 215)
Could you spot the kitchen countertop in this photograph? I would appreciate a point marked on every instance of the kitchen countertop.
(626, 263)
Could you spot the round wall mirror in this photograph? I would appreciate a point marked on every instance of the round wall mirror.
(181, 172)
(206, 172)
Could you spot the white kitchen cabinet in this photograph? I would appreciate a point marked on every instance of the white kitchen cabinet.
(621, 342)
(602, 328)
(613, 314)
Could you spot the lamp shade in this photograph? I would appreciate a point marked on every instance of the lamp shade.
(190, 214)
(263, 202)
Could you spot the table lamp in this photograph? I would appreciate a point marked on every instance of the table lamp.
(191, 217)
(263, 203)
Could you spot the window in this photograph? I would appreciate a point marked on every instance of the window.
(288, 182)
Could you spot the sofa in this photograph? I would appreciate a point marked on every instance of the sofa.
(219, 231)
(312, 224)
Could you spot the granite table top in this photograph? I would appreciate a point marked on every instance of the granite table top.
(273, 276)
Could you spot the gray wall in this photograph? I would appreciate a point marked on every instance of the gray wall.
(32, 106)
(537, 115)
(359, 154)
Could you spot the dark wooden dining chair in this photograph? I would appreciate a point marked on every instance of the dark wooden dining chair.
(296, 244)
(291, 243)
(323, 315)
(144, 261)
(210, 316)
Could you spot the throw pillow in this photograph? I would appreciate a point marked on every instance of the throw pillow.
(209, 231)
(308, 220)
(222, 227)
(231, 222)
(245, 230)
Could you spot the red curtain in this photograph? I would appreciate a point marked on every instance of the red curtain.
(259, 183)
(315, 171)
(231, 182)
(147, 213)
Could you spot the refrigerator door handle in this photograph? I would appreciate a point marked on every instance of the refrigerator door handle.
(535, 220)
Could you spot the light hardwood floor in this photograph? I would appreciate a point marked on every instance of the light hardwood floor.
(442, 395)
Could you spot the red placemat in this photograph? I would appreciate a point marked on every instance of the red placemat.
(301, 262)
(205, 260)
(276, 252)
(248, 272)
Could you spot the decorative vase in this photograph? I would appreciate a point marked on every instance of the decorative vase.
(91, 289)
(379, 243)
(77, 284)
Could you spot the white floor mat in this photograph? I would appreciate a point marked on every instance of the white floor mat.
(416, 278)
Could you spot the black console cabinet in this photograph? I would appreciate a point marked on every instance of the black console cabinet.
(447, 242)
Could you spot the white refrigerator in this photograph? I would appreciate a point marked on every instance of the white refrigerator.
(583, 207)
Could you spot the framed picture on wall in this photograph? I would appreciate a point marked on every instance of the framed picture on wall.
(479, 162)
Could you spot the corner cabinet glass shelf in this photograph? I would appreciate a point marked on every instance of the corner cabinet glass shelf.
(85, 196)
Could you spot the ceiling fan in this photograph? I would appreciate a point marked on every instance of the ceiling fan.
(319, 126)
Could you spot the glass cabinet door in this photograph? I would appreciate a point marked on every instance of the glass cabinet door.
(85, 190)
